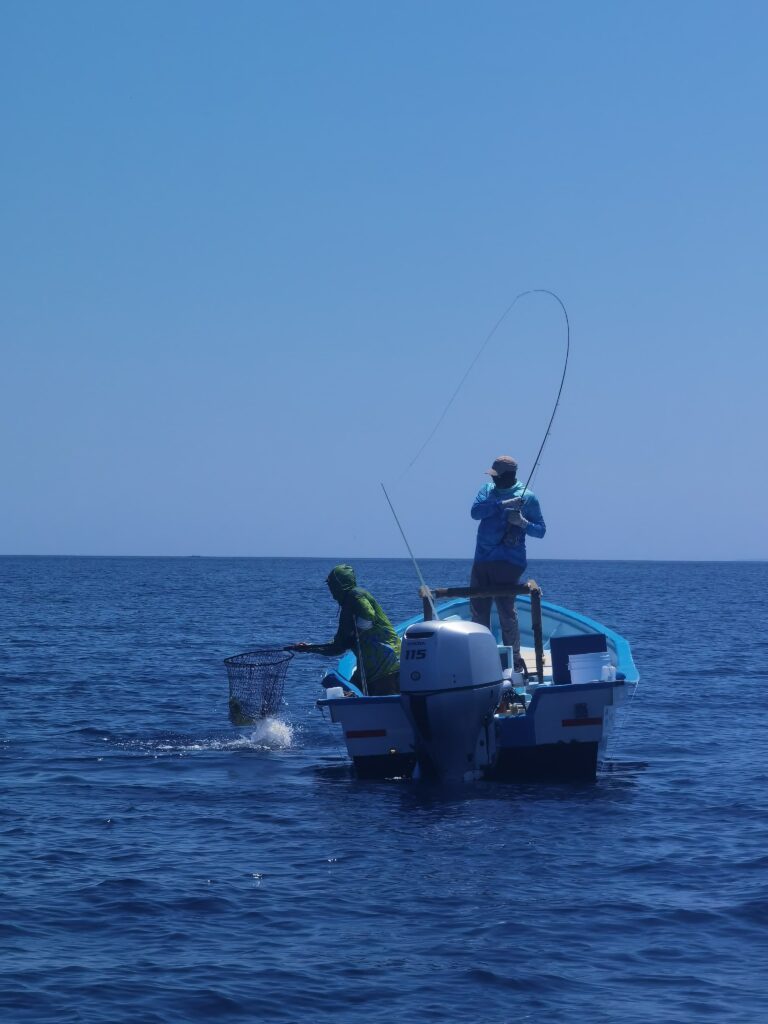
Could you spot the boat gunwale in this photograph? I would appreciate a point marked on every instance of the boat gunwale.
(624, 661)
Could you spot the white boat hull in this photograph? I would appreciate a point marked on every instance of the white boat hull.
(562, 732)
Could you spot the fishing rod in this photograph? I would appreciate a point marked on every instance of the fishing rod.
(426, 592)
(360, 662)
(545, 291)
(488, 337)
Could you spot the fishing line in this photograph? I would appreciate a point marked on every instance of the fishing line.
(489, 336)
(613, 744)
(531, 291)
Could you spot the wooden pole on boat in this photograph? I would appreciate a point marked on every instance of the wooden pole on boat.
(427, 603)
(531, 587)
(538, 633)
(508, 591)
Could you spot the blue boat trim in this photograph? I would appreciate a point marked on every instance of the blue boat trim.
(624, 663)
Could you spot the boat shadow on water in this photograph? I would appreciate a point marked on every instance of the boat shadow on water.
(616, 779)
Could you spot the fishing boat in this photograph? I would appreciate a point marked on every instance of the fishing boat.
(463, 713)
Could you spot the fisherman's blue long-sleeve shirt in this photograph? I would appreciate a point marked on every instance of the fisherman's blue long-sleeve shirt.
(497, 541)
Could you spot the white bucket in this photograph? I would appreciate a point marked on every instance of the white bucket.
(587, 668)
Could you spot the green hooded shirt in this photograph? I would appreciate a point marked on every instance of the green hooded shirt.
(363, 627)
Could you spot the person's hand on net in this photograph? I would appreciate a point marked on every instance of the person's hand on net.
(301, 646)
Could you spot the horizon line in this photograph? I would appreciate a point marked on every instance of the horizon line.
(399, 558)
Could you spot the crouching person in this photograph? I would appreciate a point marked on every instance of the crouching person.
(364, 629)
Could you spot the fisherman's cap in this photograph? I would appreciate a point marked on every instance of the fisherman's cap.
(504, 464)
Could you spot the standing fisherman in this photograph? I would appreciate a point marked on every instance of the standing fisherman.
(508, 512)
(366, 630)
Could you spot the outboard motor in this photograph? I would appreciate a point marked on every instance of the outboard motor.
(450, 684)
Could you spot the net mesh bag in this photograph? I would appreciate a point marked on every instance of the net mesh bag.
(256, 680)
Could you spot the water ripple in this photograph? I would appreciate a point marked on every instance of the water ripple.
(161, 866)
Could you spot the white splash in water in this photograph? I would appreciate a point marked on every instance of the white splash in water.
(268, 734)
(271, 733)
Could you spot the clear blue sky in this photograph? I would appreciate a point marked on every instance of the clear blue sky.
(248, 249)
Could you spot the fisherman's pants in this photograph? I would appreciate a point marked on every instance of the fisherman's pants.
(378, 687)
(485, 576)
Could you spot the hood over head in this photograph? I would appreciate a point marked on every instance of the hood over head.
(340, 580)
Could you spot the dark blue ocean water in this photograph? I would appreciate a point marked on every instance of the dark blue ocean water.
(159, 865)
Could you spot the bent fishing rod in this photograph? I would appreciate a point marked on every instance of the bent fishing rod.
(531, 291)
(545, 291)
(484, 345)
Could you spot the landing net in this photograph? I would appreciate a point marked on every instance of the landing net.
(256, 680)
